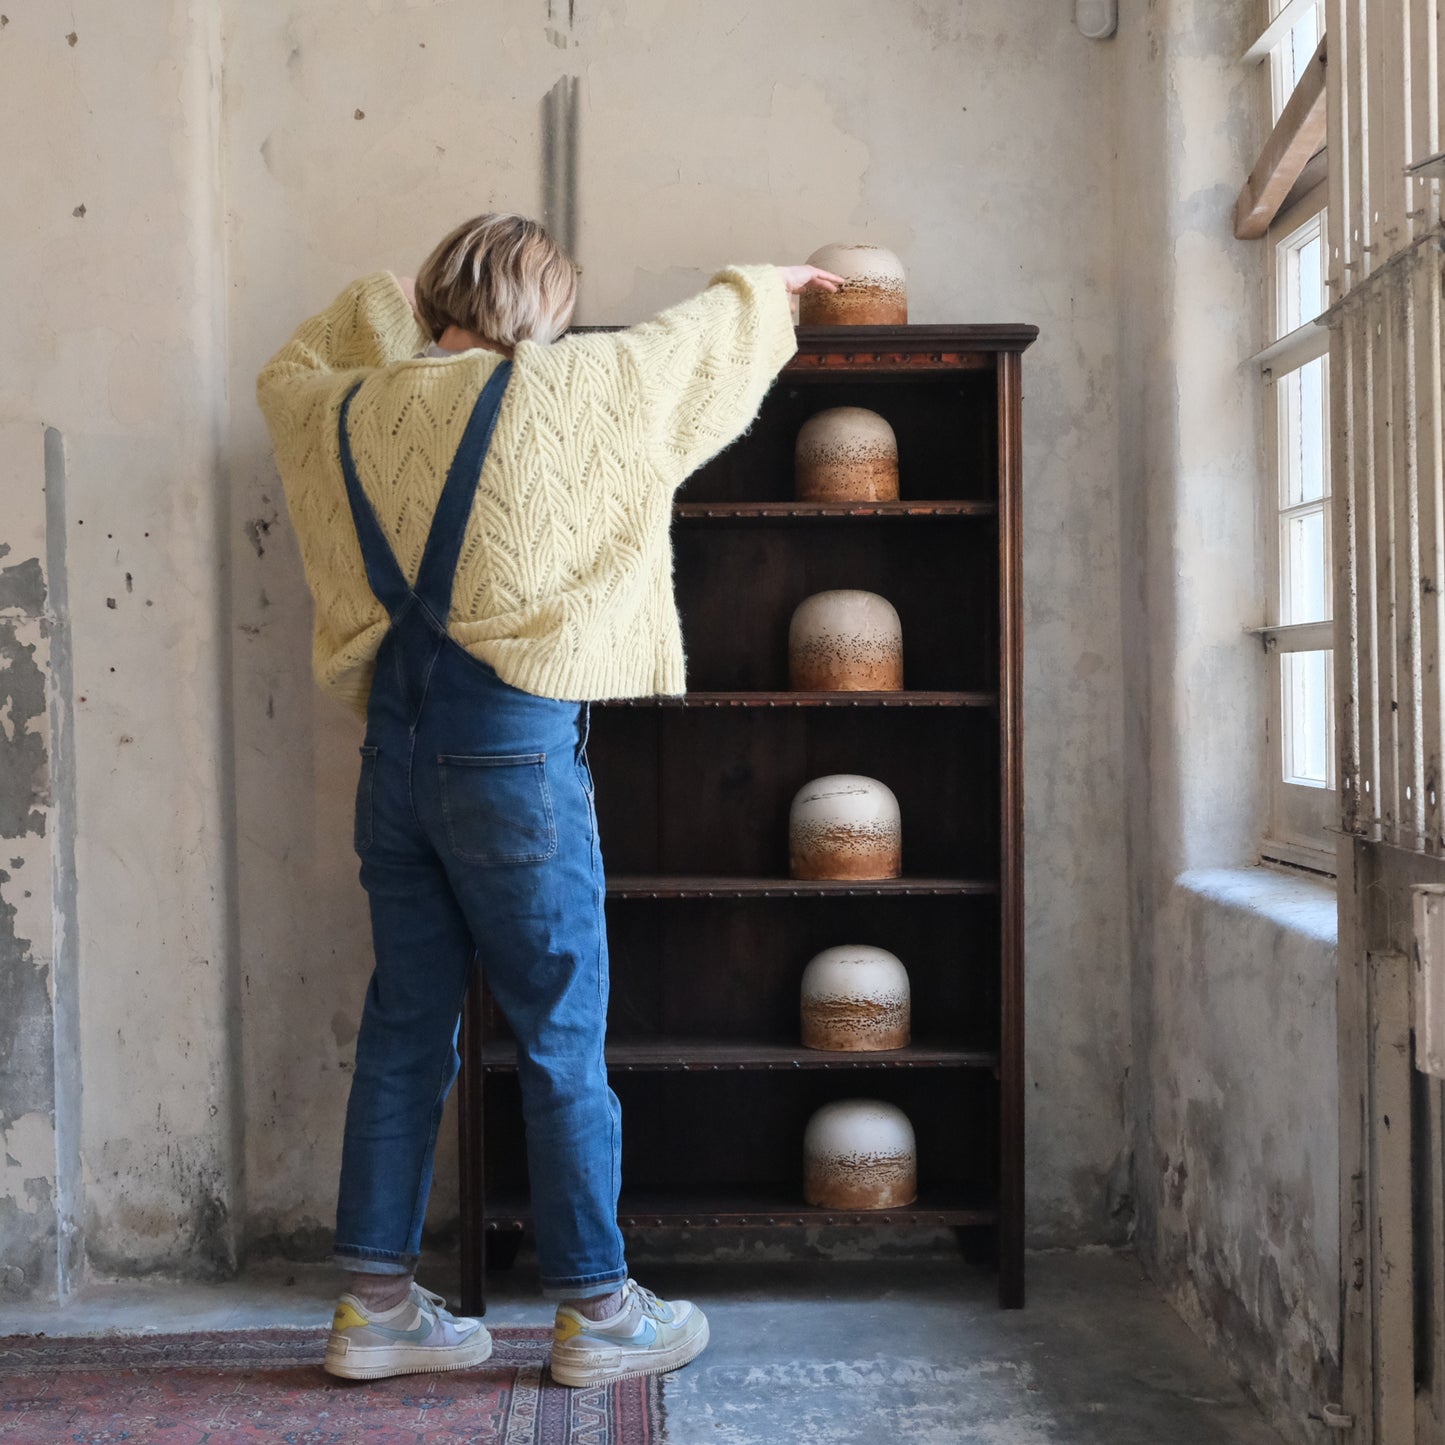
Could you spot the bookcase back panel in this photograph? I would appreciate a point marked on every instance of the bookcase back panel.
(732, 968)
(710, 1134)
(739, 583)
(731, 774)
(946, 426)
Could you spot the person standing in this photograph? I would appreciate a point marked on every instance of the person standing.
(483, 510)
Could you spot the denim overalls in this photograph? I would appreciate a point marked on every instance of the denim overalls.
(478, 840)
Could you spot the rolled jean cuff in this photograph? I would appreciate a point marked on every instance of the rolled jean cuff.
(373, 1261)
(591, 1287)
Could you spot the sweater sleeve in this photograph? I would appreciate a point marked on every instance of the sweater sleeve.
(704, 365)
(370, 325)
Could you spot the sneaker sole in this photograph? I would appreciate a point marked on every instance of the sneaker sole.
(374, 1362)
(684, 1352)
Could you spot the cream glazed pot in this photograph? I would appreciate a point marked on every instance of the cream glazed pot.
(845, 826)
(845, 641)
(860, 1154)
(846, 454)
(874, 290)
(855, 998)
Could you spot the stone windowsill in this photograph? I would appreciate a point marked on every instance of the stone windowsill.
(1302, 905)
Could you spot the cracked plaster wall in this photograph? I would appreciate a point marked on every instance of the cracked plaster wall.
(1234, 1088)
(117, 1095)
(975, 140)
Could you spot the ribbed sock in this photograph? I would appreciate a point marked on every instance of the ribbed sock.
(600, 1307)
(380, 1292)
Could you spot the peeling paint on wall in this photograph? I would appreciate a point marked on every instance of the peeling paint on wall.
(23, 774)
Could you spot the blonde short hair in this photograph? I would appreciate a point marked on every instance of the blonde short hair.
(500, 276)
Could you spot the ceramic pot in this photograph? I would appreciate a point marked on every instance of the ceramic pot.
(860, 1154)
(845, 641)
(846, 454)
(855, 999)
(845, 826)
(874, 290)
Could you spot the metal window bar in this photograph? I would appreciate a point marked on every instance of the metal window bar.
(1386, 374)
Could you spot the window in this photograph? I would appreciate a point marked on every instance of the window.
(1299, 630)
(1288, 58)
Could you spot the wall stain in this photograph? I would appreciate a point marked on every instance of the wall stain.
(27, 1036)
(257, 529)
(24, 773)
(22, 586)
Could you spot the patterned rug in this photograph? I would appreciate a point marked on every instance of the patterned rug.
(235, 1388)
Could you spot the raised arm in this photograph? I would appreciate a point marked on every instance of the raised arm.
(703, 366)
(371, 324)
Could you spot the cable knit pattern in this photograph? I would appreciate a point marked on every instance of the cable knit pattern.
(564, 584)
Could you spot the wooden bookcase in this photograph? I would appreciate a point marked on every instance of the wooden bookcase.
(708, 934)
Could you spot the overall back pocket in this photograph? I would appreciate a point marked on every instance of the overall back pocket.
(498, 809)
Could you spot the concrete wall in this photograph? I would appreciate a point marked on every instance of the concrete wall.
(356, 135)
(118, 1101)
(1234, 1087)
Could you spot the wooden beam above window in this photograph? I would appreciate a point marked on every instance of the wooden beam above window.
(1297, 135)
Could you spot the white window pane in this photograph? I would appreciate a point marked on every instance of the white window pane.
(1309, 282)
(1302, 422)
(1303, 567)
(1302, 42)
(1306, 703)
(1290, 57)
(1300, 273)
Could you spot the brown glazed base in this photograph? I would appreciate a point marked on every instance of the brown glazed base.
(854, 305)
(848, 862)
(839, 675)
(854, 1026)
(869, 480)
(851, 1184)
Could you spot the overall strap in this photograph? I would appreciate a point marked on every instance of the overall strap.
(387, 580)
(444, 541)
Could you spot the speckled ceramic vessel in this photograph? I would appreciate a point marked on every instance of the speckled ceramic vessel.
(860, 1154)
(845, 826)
(855, 999)
(846, 454)
(874, 290)
(845, 641)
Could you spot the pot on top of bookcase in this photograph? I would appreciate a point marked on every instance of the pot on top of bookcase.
(874, 290)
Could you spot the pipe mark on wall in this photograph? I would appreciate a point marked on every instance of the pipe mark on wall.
(559, 162)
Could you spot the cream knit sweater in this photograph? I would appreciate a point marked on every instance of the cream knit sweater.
(564, 585)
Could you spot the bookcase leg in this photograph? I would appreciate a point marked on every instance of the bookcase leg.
(503, 1246)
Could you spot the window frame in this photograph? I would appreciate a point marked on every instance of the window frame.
(1300, 819)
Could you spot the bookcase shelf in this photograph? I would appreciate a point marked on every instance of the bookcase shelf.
(780, 1210)
(815, 699)
(708, 935)
(695, 1054)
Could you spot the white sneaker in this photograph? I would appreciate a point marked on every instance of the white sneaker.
(415, 1336)
(647, 1336)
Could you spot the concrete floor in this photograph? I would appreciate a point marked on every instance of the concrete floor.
(836, 1354)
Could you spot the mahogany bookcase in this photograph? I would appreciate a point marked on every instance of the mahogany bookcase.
(708, 934)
